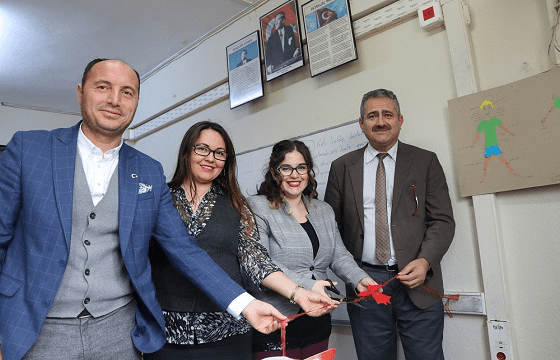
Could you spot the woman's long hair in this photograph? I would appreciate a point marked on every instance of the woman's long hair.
(270, 187)
(227, 178)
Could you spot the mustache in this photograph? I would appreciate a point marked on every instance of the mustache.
(381, 127)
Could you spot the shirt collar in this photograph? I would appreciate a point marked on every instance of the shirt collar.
(371, 153)
(85, 145)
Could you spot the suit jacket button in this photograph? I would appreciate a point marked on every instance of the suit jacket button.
(87, 242)
(92, 216)
(87, 272)
(312, 268)
(86, 301)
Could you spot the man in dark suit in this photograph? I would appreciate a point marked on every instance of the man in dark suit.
(77, 210)
(243, 58)
(281, 46)
(412, 200)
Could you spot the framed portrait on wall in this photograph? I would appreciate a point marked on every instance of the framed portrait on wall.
(244, 70)
(281, 40)
(330, 35)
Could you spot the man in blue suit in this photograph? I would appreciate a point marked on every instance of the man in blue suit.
(77, 210)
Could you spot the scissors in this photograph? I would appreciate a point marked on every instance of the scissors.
(345, 299)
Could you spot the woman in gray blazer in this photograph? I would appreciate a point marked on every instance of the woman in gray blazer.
(301, 236)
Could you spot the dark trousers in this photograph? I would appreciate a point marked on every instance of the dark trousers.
(237, 347)
(376, 327)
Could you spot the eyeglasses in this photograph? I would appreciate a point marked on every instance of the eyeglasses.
(287, 170)
(203, 150)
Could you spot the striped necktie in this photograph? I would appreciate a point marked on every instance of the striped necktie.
(382, 249)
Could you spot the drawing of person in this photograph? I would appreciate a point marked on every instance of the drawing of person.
(488, 127)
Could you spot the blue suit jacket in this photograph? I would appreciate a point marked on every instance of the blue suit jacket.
(36, 189)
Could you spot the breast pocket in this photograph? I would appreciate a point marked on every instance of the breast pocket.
(8, 285)
(146, 196)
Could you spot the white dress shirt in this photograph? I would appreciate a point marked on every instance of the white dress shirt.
(370, 171)
(99, 168)
(281, 34)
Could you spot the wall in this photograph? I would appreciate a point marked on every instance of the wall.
(507, 50)
(415, 64)
(18, 119)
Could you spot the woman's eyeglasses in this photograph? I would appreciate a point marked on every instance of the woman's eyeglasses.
(203, 150)
(287, 170)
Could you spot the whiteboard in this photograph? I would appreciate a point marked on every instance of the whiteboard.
(325, 146)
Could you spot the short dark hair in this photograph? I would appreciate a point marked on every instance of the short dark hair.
(272, 179)
(374, 94)
(87, 70)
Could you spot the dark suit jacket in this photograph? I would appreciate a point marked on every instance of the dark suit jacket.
(426, 234)
(36, 187)
(274, 54)
(241, 62)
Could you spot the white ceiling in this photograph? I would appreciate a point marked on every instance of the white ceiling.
(45, 45)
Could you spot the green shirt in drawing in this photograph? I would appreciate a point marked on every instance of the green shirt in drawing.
(489, 129)
(557, 103)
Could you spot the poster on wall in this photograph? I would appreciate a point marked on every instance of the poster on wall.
(244, 70)
(330, 35)
(281, 40)
(506, 138)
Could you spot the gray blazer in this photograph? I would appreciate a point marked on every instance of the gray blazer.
(290, 248)
(422, 222)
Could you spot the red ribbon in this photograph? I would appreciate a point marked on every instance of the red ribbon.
(449, 297)
(380, 298)
(283, 325)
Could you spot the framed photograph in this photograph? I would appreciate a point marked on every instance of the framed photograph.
(244, 70)
(330, 35)
(281, 40)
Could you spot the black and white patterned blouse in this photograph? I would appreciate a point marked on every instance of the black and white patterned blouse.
(181, 328)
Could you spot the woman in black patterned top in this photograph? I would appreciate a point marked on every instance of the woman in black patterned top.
(205, 192)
